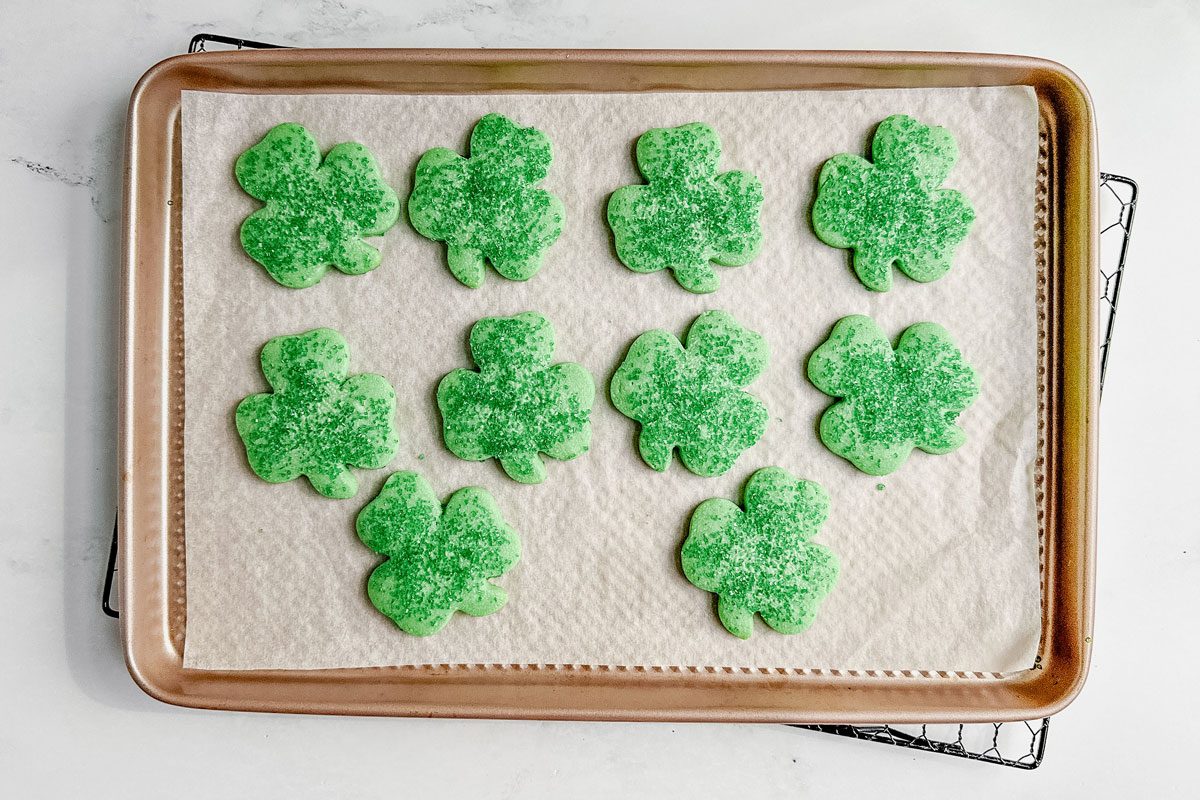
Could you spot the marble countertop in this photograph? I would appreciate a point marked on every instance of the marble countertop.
(73, 722)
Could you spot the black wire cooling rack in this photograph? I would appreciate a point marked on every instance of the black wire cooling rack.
(1011, 744)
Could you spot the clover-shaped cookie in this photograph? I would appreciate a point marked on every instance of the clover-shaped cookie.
(319, 419)
(687, 216)
(488, 206)
(439, 560)
(761, 560)
(518, 404)
(892, 400)
(692, 397)
(317, 211)
(892, 212)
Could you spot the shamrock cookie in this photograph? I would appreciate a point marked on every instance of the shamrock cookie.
(891, 212)
(318, 419)
(317, 212)
(488, 206)
(517, 405)
(762, 560)
(692, 397)
(892, 400)
(439, 560)
(688, 216)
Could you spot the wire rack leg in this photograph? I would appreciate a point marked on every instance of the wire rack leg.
(1021, 745)
(109, 576)
(1123, 192)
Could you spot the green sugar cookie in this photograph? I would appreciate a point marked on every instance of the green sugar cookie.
(692, 397)
(892, 400)
(517, 405)
(891, 212)
(687, 216)
(318, 419)
(317, 212)
(487, 206)
(439, 560)
(762, 560)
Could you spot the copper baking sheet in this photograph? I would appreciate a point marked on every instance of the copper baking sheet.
(153, 586)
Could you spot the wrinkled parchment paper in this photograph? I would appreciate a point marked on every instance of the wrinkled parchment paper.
(940, 566)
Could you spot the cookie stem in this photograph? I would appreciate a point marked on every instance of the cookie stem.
(466, 264)
(486, 599)
(699, 278)
(737, 620)
(357, 258)
(340, 485)
(873, 269)
(524, 467)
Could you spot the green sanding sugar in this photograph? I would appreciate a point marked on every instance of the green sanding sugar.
(879, 487)
(438, 560)
(761, 560)
(317, 211)
(518, 404)
(892, 400)
(692, 397)
(488, 206)
(318, 419)
(892, 212)
(688, 216)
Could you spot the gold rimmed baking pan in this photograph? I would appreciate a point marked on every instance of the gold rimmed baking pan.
(153, 582)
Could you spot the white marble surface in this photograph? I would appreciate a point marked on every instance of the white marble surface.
(71, 721)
